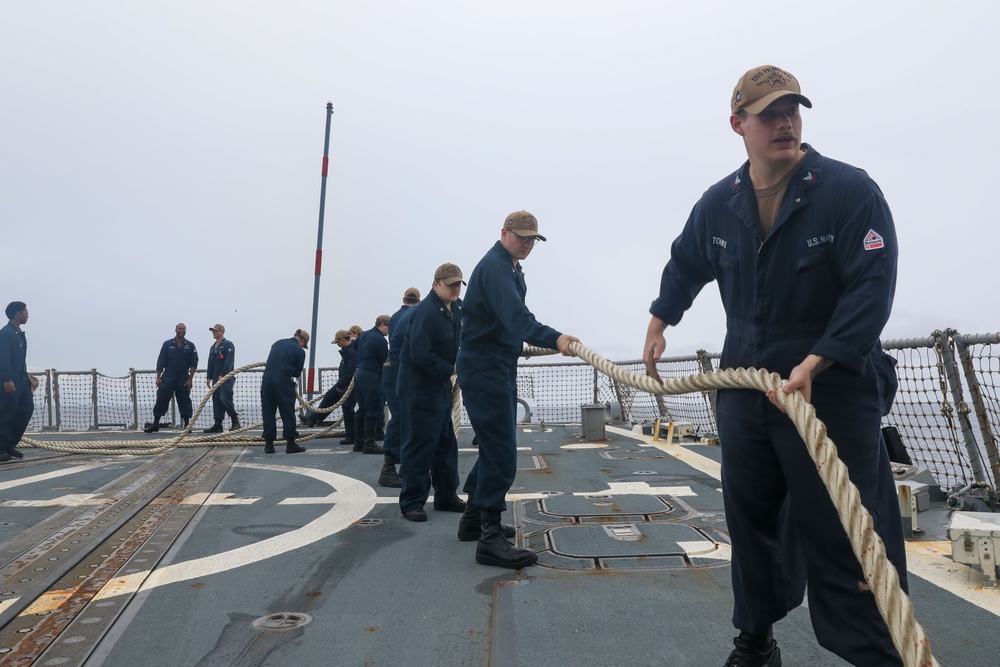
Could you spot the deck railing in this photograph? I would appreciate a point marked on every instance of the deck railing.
(947, 409)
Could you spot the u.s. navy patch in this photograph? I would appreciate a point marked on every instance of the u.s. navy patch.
(873, 241)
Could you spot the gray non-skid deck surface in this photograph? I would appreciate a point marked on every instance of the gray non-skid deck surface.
(399, 593)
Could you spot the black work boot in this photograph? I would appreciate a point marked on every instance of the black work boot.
(359, 438)
(470, 526)
(370, 447)
(758, 650)
(269, 446)
(154, 427)
(215, 428)
(495, 549)
(292, 448)
(236, 424)
(388, 476)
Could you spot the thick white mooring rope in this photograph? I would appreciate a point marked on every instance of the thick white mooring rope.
(184, 438)
(893, 604)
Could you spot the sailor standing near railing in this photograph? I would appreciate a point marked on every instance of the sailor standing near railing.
(804, 250)
(496, 326)
(221, 361)
(175, 369)
(16, 403)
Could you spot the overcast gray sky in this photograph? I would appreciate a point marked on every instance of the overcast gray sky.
(160, 161)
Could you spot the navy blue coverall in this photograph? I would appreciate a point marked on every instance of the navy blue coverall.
(496, 324)
(373, 350)
(345, 373)
(390, 372)
(277, 389)
(429, 449)
(15, 408)
(173, 366)
(221, 361)
(821, 281)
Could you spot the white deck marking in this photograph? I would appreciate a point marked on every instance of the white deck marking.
(696, 461)
(640, 489)
(932, 562)
(708, 550)
(217, 499)
(49, 475)
(351, 502)
(71, 500)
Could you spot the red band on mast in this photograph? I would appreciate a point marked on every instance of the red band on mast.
(326, 163)
(319, 262)
(312, 374)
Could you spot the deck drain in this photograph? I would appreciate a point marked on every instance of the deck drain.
(645, 472)
(549, 494)
(286, 621)
(370, 522)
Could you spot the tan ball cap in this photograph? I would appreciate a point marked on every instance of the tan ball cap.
(304, 335)
(522, 223)
(449, 274)
(761, 86)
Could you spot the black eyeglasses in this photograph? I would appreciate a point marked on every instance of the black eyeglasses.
(525, 240)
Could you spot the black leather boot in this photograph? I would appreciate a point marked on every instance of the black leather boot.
(292, 448)
(758, 650)
(154, 427)
(236, 424)
(360, 436)
(370, 447)
(215, 428)
(269, 446)
(470, 526)
(388, 476)
(494, 549)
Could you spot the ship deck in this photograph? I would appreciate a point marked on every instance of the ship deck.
(210, 557)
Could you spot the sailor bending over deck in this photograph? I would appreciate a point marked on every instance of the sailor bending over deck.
(277, 389)
(804, 251)
(497, 323)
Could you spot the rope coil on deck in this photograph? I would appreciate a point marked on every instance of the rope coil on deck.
(893, 604)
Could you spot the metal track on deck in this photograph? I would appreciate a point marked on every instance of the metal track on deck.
(62, 593)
